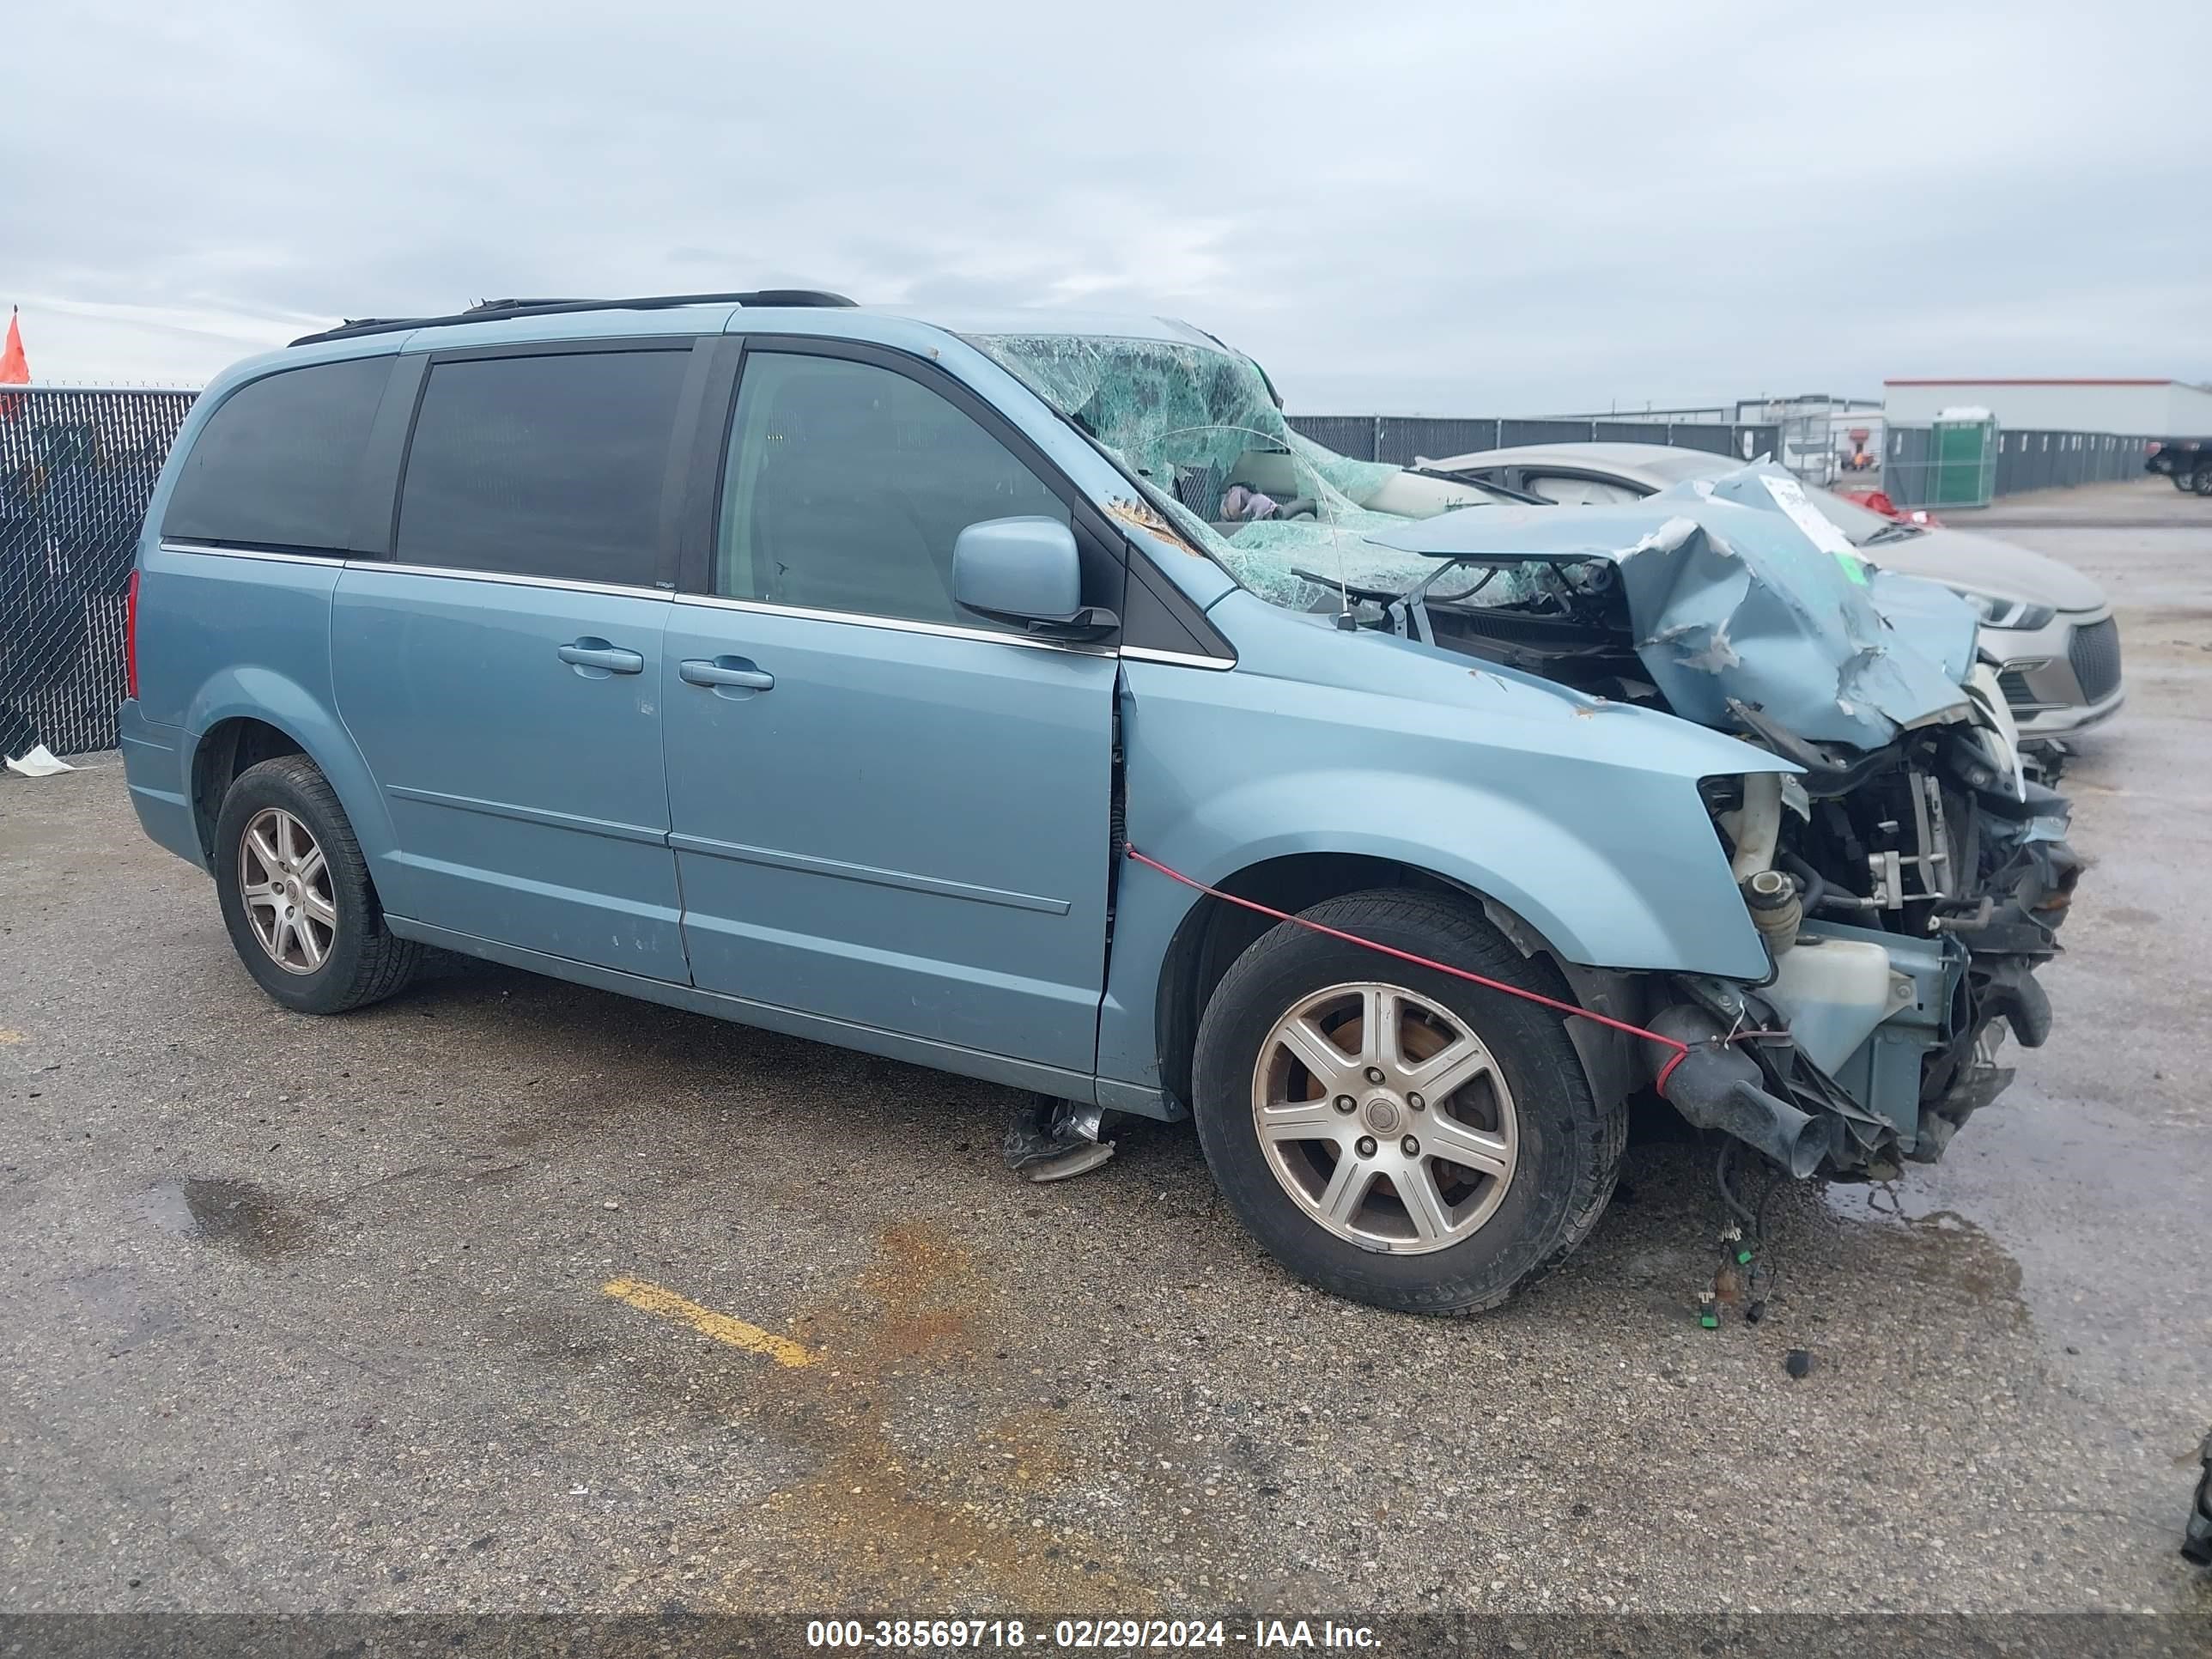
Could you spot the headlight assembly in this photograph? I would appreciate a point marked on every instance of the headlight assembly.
(1997, 612)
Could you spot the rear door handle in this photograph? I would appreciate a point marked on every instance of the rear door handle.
(592, 653)
(725, 671)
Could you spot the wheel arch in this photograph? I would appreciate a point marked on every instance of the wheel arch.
(246, 715)
(226, 749)
(1213, 933)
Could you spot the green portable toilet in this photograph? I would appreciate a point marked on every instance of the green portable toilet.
(1965, 459)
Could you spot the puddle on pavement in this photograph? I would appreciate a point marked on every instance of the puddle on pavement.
(1939, 1247)
(247, 1219)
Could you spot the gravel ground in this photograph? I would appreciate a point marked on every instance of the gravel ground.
(309, 1314)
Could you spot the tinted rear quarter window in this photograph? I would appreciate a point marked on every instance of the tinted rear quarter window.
(276, 464)
(549, 464)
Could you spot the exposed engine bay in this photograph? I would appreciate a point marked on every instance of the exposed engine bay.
(1906, 908)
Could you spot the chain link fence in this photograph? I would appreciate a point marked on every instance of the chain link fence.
(77, 469)
(1402, 440)
(1912, 474)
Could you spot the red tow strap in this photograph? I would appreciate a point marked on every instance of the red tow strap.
(1678, 1051)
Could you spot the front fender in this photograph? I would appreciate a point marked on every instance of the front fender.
(1591, 828)
(1578, 896)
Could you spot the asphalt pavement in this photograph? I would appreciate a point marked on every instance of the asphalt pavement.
(507, 1294)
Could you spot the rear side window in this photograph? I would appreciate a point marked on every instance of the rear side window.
(542, 465)
(275, 465)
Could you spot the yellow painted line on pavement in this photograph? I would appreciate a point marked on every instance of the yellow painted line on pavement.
(11, 1038)
(735, 1333)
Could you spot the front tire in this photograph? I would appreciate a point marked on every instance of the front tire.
(296, 894)
(1392, 1134)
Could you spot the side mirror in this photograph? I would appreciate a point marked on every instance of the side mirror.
(1026, 571)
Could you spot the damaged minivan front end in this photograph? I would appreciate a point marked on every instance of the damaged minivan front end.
(1904, 873)
(1908, 877)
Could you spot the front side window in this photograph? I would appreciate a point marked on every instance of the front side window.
(848, 484)
(550, 464)
(276, 464)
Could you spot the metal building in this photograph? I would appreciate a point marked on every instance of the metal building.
(2149, 408)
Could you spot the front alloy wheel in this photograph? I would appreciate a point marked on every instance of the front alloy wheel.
(285, 880)
(1385, 1118)
(1388, 1130)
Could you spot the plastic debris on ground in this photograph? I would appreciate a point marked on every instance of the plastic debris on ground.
(1053, 1139)
(39, 763)
(2197, 1541)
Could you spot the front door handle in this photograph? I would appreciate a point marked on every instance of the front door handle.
(590, 653)
(725, 671)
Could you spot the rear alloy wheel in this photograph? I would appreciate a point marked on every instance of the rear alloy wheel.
(285, 881)
(2202, 483)
(296, 894)
(1392, 1133)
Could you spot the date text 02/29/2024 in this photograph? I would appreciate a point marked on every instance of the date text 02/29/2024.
(1081, 1634)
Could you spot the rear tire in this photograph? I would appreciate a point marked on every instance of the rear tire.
(1505, 1089)
(2202, 483)
(296, 894)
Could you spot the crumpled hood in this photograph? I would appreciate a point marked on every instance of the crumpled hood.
(1737, 587)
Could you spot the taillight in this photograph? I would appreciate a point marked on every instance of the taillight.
(131, 637)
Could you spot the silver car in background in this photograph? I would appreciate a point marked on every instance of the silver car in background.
(2047, 628)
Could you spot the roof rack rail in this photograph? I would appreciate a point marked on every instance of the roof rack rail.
(491, 310)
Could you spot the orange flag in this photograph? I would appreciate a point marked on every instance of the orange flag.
(14, 367)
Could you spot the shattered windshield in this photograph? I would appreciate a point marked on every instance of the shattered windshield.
(1201, 425)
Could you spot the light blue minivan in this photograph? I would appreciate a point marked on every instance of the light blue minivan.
(1022, 696)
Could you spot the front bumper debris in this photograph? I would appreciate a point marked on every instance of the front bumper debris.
(1053, 1139)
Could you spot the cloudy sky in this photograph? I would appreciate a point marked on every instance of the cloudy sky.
(1469, 208)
